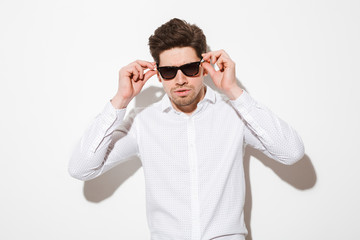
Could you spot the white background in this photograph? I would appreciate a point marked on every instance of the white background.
(59, 62)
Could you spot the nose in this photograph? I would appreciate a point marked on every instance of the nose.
(180, 78)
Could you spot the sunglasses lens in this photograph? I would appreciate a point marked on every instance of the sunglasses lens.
(190, 69)
(167, 72)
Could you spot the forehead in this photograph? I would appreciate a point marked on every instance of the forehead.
(178, 56)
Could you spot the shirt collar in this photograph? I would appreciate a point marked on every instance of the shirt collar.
(210, 96)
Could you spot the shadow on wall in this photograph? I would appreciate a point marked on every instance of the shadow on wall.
(301, 175)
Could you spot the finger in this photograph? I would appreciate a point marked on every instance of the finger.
(146, 64)
(134, 74)
(214, 59)
(209, 68)
(208, 57)
(223, 53)
(149, 74)
(140, 70)
(221, 64)
(217, 55)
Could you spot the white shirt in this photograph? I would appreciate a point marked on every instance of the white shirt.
(193, 165)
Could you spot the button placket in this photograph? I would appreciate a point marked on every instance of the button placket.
(194, 179)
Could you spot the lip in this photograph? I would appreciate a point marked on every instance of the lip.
(182, 92)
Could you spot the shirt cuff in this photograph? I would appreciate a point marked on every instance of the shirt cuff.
(109, 119)
(244, 103)
(111, 115)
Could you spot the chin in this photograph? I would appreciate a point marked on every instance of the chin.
(184, 101)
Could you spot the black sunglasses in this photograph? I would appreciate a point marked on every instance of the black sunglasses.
(189, 69)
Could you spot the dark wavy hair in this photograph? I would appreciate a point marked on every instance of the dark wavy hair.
(176, 33)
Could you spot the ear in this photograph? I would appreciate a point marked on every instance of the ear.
(205, 72)
(158, 76)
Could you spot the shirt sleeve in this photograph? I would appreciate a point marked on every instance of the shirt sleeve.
(267, 132)
(108, 141)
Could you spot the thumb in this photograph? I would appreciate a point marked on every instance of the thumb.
(149, 74)
(209, 68)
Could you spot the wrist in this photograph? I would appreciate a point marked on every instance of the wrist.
(233, 92)
(119, 102)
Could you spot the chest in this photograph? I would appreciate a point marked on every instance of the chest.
(173, 141)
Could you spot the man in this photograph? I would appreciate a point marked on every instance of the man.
(191, 142)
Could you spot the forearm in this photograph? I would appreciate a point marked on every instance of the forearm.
(93, 149)
(267, 132)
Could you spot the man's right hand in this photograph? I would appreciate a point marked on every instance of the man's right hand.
(131, 80)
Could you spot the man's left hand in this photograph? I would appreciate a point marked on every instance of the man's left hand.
(224, 78)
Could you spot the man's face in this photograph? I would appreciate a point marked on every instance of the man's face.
(184, 92)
